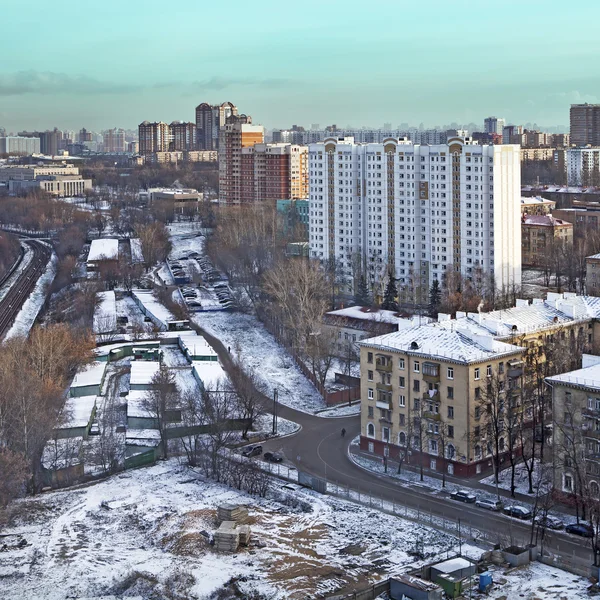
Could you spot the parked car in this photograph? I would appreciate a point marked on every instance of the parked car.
(463, 496)
(582, 529)
(273, 457)
(549, 522)
(94, 429)
(494, 505)
(515, 510)
(252, 451)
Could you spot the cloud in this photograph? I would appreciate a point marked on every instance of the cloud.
(47, 82)
(572, 97)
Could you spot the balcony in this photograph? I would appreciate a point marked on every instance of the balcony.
(515, 368)
(383, 387)
(383, 365)
(431, 395)
(431, 372)
(432, 416)
(383, 404)
(385, 421)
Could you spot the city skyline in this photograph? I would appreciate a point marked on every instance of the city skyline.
(321, 65)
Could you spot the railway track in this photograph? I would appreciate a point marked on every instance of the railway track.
(20, 290)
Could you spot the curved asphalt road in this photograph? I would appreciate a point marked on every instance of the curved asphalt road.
(319, 449)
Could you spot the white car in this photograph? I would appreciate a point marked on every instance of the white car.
(494, 505)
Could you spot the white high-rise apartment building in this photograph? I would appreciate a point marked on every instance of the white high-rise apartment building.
(493, 125)
(420, 211)
(582, 166)
(19, 145)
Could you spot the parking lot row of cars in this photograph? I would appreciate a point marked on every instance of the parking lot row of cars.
(522, 512)
(214, 278)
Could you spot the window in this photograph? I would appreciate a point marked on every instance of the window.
(489, 370)
(477, 393)
(501, 368)
(402, 438)
(370, 412)
(370, 394)
(371, 447)
(451, 431)
(401, 382)
(477, 431)
(402, 401)
(385, 434)
(416, 385)
(476, 373)
(371, 430)
(369, 357)
(478, 452)
(416, 366)
(433, 446)
(370, 375)
(450, 373)
(401, 363)
(450, 393)
(402, 419)
(451, 412)
(416, 404)
(568, 483)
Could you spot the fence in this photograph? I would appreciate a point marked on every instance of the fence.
(334, 397)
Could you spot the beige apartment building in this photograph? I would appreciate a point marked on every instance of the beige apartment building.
(434, 378)
(536, 205)
(576, 432)
(540, 234)
(422, 392)
(592, 275)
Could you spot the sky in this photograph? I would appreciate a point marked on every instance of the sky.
(115, 63)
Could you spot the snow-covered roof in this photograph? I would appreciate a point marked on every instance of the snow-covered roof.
(135, 405)
(359, 312)
(544, 221)
(536, 200)
(195, 344)
(136, 251)
(106, 349)
(105, 315)
(103, 249)
(77, 412)
(91, 375)
(588, 377)
(210, 373)
(594, 256)
(558, 309)
(142, 371)
(142, 437)
(154, 307)
(453, 565)
(435, 341)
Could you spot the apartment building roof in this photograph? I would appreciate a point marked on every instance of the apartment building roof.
(435, 341)
(544, 221)
(536, 200)
(558, 309)
(366, 314)
(588, 377)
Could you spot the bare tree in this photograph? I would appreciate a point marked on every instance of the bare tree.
(250, 390)
(160, 402)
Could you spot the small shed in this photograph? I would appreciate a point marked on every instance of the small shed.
(76, 417)
(195, 347)
(451, 573)
(414, 588)
(102, 251)
(142, 373)
(138, 416)
(89, 381)
(208, 374)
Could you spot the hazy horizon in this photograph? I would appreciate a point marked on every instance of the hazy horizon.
(118, 64)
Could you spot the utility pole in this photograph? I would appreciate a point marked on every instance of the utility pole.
(274, 411)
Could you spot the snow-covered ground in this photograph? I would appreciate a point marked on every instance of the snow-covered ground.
(256, 348)
(542, 478)
(146, 529)
(32, 306)
(342, 410)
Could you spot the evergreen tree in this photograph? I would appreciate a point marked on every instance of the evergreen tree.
(389, 296)
(362, 296)
(435, 298)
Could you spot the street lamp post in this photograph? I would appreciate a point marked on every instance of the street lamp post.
(275, 411)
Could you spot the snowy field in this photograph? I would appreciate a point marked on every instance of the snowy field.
(256, 348)
(32, 306)
(146, 531)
